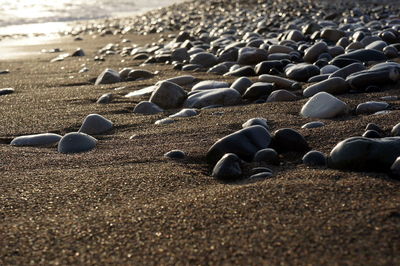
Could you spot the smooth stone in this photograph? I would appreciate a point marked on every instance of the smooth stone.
(223, 96)
(295, 35)
(95, 124)
(282, 83)
(365, 154)
(333, 86)
(262, 175)
(2, 71)
(241, 84)
(311, 54)
(83, 70)
(279, 56)
(241, 72)
(257, 170)
(180, 55)
(332, 35)
(108, 76)
(314, 124)
(182, 80)
(6, 91)
(256, 121)
(377, 45)
(266, 66)
(329, 69)
(371, 107)
(282, 96)
(228, 168)
(390, 98)
(301, 72)
(372, 134)
(314, 158)
(78, 52)
(257, 90)
(185, 113)
(395, 168)
(287, 140)
(164, 121)
(391, 52)
(205, 59)
(268, 155)
(168, 95)
(343, 62)
(318, 78)
(244, 143)
(323, 105)
(142, 92)
(348, 70)
(175, 154)
(219, 69)
(210, 84)
(147, 108)
(192, 67)
(105, 98)
(273, 49)
(251, 56)
(396, 130)
(76, 142)
(364, 55)
(45, 139)
(373, 77)
(139, 74)
(375, 127)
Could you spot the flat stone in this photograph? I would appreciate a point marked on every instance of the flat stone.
(251, 56)
(142, 92)
(182, 80)
(147, 108)
(228, 168)
(139, 74)
(323, 105)
(282, 96)
(257, 90)
(244, 143)
(371, 107)
(364, 55)
(260, 176)
(168, 95)
(6, 91)
(311, 54)
(223, 97)
(210, 84)
(314, 124)
(164, 121)
(373, 77)
(289, 140)
(108, 76)
(180, 55)
(281, 83)
(185, 113)
(175, 154)
(45, 139)
(365, 154)
(241, 72)
(333, 86)
(301, 72)
(76, 142)
(372, 134)
(348, 70)
(95, 124)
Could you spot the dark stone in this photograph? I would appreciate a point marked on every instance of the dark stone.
(289, 140)
(244, 143)
(364, 55)
(302, 72)
(372, 134)
(268, 155)
(175, 154)
(228, 168)
(242, 72)
(314, 158)
(258, 90)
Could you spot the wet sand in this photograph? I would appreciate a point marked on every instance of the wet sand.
(124, 203)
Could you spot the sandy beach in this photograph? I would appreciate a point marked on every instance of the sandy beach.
(123, 203)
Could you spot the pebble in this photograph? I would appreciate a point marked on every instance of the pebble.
(365, 154)
(182, 80)
(164, 121)
(395, 168)
(314, 158)
(314, 124)
(185, 113)
(311, 54)
(241, 84)
(396, 130)
(333, 86)
(364, 55)
(281, 83)
(78, 52)
(6, 91)
(147, 108)
(268, 155)
(76, 142)
(371, 107)
(323, 105)
(244, 143)
(95, 124)
(180, 55)
(228, 168)
(371, 134)
(301, 72)
(222, 97)
(289, 140)
(241, 72)
(108, 76)
(168, 95)
(282, 96)
(105, 98)
(256, 121)
(251, 56)
(210, 84)
(44, 139)
(204, 59)
(139, 74)
(175, 154)
(260, 176)
(348, 70)
(258, 90)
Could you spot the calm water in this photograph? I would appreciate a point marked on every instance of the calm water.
(16, 14)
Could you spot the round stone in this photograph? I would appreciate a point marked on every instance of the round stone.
(76, 142)
(314, 158)
(228, 168)
(175, 154)
(147, 108)
(289, 140)
(268, 155)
